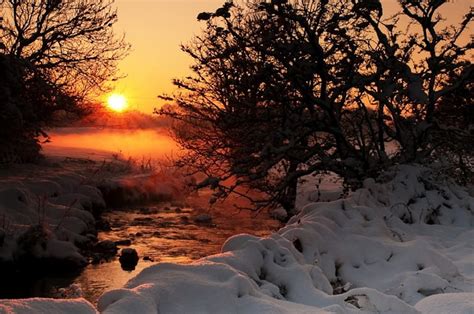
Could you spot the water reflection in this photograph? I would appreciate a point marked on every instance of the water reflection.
(167, 233)
(159, 233)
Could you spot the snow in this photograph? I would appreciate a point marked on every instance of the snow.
(62, 194)
(459, 303)
(38, 306)
(401, 244)
(60, 203)
(319, 188)
(226, 290)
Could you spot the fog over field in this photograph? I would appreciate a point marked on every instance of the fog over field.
(135, 143)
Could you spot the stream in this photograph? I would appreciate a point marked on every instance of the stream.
(162, 232)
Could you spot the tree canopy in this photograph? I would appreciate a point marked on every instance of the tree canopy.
(284, 89)
(70, 41)
(54, 56)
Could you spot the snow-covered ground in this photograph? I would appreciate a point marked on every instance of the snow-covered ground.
(402, 244)
(47, 210)
(46, 214)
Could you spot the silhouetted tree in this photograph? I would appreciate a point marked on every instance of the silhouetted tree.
(453, 135)
(70, 41)
(54, 54)
(411, 71)
(284, 89)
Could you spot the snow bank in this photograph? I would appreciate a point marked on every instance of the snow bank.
(400, 245)
(319, 188)
(47, 217)
(459, 303)
(143, 188)
(46, 306)
(47, 212)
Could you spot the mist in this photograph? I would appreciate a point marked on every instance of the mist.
(134, 143)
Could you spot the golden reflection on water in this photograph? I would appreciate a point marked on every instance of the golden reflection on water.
(168, 234)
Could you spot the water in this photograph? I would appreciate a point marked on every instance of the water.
(165, 233)
(162, 233)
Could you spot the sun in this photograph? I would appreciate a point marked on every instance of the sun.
(117, 102)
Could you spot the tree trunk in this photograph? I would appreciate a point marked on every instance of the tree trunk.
(289, 196)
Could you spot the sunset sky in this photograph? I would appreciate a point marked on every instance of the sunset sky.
(156, 28)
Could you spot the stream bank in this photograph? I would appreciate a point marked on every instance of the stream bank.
(70, 206)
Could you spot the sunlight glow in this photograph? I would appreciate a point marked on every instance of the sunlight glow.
(117, 102)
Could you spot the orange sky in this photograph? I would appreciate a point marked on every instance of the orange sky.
(156, 28)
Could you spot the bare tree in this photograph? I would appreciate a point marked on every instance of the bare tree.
(70, 41)
(54, 54)
(411, 69)
(283, 89)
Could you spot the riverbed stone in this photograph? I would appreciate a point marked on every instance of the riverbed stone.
(203, 218)
(106, 247)
(128, 258)
(144, 210)
(103, 225)
(125, 242)
(144, 219)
